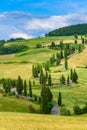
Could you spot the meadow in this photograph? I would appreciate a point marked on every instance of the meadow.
(14, 111)
(23, 121)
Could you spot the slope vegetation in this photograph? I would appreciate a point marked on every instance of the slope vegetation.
(79, 29)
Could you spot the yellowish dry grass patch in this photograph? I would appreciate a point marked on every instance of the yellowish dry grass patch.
(13, 70)
(79, 59)
(16, 121)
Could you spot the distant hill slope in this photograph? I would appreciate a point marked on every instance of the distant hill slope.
(79, 29)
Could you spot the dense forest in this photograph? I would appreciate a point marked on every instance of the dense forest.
(79, 29)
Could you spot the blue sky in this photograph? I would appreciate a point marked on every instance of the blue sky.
(31, 18)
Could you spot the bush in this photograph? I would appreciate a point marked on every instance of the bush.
(86, 66)
(65, 112)
(85, 108)
(77, 110)
(31, 109)
(38, 45)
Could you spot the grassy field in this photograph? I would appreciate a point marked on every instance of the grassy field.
(17, 121)
(13, 104)
(12, 65)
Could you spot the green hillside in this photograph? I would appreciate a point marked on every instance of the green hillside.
(79, 29)
(20, 63)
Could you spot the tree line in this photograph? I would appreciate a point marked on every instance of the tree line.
(79, 29)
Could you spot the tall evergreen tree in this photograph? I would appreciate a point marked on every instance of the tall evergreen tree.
(47, 66)
(83, 41)
(42, 78)
(66, 64)
(71, 75)
(46, 75)
(61, 54)
(19, 85)
(75, 41)
(8, 85)
(25, 88)
(30, 89)
(59, 99)
(75, 77)
(68, 80)
(65, 53)
(33, 70)
(62, 80)
(58, 59)
(46, 96)
(53, 45)
(49, 80)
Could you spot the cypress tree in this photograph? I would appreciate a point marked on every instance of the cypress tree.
(8, 85)
(68, 80)
(66, 64)
(33, 70)
(61, 54)
(59, 99)
(79, 49)
(58, 59)
(19, 85)
(65, 53)
(75, 41)
(49, 80)
(62, 80)
(53, 45)
(75, 77)
(71, 75)
(46, 75)
(42, 79)
(30, 89)
(47, 66)
(25, 89)
(83, 41)
(46, 96)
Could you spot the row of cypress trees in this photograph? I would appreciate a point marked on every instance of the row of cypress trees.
(21, 87)
(72, 78)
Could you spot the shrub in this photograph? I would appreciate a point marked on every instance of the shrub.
(31, 109)
(65, 112)
(77, 110)
(38, 45)
(85, 108)
(86, 66)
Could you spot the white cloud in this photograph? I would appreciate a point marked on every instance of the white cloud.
(20, 35)
(46, 23)
(20, 24)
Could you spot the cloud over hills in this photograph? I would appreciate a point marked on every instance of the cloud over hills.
(26, 25)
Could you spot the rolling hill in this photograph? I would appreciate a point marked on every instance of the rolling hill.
(79, 29)
(20, 63)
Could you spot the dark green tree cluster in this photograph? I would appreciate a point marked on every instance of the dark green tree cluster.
(73, 78)
(8, 84)
(55, 59)
(19, 85)
(62, 80)
(12, 49)
(79, 29)
(36, 70)
(47, 66)
(45, 78)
